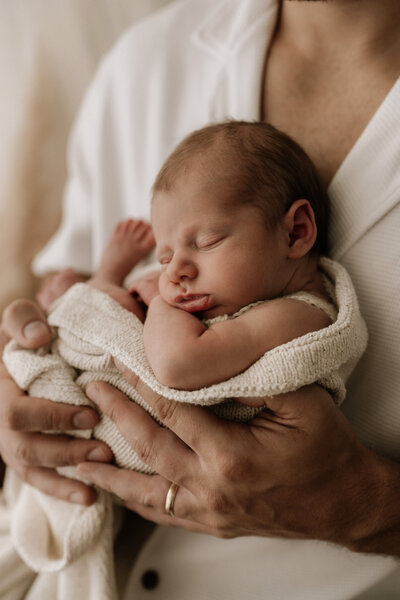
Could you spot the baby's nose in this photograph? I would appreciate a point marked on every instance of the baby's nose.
(180, 269)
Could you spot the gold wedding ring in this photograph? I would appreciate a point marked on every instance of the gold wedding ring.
(170, 499)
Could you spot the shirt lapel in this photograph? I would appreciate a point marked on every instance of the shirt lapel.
(237, 33)
(367, 185)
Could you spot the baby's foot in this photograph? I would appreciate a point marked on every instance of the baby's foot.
(130, 241)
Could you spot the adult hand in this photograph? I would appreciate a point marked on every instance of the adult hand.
(31, 454)
(296, 470)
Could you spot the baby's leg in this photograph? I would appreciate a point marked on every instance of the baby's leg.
(130, 242)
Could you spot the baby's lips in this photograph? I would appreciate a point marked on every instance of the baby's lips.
(194, 303)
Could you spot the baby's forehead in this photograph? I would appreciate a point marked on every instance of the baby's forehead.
(200, 198)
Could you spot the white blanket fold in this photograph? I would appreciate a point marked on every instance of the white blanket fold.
(55, 537)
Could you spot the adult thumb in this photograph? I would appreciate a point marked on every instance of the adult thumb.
(25, 322)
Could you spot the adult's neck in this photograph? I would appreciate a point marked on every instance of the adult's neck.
(350, 28)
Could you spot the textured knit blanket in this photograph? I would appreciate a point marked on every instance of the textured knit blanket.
(71, 546)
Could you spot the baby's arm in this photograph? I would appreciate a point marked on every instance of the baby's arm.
(184, 354)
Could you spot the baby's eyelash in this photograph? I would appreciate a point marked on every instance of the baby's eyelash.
(205, 245)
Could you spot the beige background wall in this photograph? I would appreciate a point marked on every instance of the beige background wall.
(49, 50)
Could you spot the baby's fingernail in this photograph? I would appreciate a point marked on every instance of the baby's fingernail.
(84, 420)
(35, 329)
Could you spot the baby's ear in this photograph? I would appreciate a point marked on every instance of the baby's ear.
(299, 223)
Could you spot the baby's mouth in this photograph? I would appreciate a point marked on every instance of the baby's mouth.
(193, 302)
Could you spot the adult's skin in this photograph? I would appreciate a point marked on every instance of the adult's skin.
(319, 481)
(346, 493)
(343, 492)
(31, 454)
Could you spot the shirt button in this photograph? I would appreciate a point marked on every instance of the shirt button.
(150, 579)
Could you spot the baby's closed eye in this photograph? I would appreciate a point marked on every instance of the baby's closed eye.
(208, 242)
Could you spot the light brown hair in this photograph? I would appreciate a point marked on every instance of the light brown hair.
(264, 166)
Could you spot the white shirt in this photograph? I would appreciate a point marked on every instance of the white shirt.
(193, 63)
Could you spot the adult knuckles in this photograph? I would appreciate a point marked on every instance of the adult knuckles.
(73, 452)
(23, 454)
(15, 416)
(144, 451)
(167, 411)
(219, 504)
(11, 417)
(57, 418)
(148, 499)
(231, 467)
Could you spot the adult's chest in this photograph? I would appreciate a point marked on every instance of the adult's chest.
(325, 108)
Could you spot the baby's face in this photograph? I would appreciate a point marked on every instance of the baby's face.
(216, 255)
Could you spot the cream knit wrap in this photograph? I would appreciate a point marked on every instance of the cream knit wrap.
(51, 535)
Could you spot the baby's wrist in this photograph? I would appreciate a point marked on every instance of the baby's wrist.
(156, 302)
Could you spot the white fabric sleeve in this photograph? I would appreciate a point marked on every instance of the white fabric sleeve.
(72, 244)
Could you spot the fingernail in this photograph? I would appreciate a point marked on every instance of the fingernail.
(99, 455)
(84, 420)
(35, 329)
(92, 391)
(76, 498)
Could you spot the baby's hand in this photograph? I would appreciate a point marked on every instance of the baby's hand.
(55, 285)
(146, 288)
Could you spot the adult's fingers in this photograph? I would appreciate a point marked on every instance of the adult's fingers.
(194, 425)
(19, 412)
(25, 322)
(156, 446)
(52, 483)
(130, 486)
(24, 450)
(146, 495)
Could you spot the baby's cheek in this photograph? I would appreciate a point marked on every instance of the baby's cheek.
(165, 287)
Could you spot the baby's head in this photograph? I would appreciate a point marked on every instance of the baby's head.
(236, 208)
